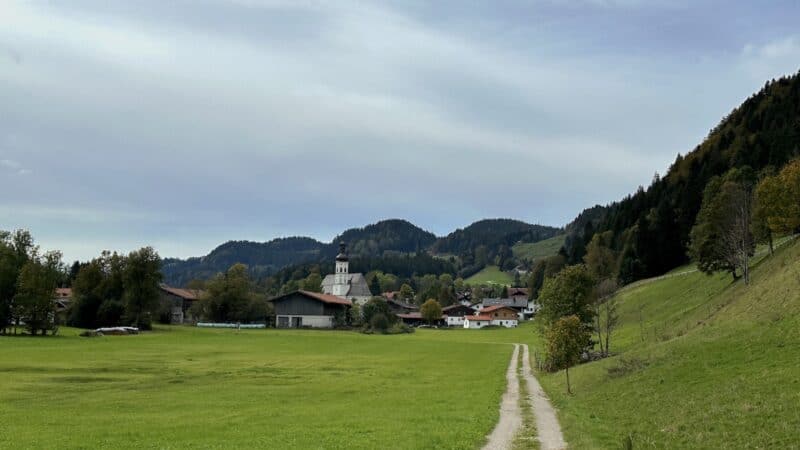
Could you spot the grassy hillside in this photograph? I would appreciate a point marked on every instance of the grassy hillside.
(702, 363)
(538, 250)
(182, 387)
(490, 275)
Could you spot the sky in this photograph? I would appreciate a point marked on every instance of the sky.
(184, 124)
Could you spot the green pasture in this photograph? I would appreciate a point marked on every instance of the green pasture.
(490, 275)
(181, 387)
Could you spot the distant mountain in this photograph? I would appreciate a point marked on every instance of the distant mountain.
(492, 233)
(387, 236)
(650, 228)
(388, 242)
(262, 258)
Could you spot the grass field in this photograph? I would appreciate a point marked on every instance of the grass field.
(181, 387)
(490, 275)
(701, 363)
(538, 250)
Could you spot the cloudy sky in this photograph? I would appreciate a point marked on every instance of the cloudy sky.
(183, 124)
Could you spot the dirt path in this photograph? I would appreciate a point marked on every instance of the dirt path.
(547, 428)
(510, 413)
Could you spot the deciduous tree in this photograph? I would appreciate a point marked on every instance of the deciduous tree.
(431, 311)
(566, 340)
(141, 278)
(568, 293)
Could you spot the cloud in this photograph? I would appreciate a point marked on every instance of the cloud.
(772, 59)
(154, 122)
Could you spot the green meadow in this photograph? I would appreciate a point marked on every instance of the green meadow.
(539, 250)
(180, 387)
(490, 275)
(701, 363)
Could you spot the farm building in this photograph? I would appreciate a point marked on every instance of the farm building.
(178, 301)
(498, 315)
(455, 314)
(342, 283)
(308, 309)
(400, 307)
(63, 303)
(415, 319)
(477, 321)
(520, 303)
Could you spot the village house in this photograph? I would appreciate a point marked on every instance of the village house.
(400, 307)
(342, 283)
(308, 309)
(454, 314)
(178, 301)
(518, 300)
(497, 315)
(63, 303)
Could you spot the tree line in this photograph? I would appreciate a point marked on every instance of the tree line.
(651, 228)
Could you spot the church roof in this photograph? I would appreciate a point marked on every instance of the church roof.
(356, 281)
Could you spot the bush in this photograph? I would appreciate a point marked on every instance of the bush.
(401, 328)
(110, 313)
(379, 322)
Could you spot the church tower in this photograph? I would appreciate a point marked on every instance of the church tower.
(341, 283)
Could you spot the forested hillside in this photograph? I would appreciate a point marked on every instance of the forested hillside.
(651, 227)
(395, 246)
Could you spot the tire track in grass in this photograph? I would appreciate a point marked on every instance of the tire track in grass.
(502, 437)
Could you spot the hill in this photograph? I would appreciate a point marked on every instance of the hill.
(389, 245)
(701, 363)
(538, 250)
(651, 227)
(492, 233)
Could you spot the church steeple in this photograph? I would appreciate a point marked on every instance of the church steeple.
(341, 284)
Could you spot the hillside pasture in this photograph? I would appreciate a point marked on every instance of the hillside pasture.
(490, 275)
(700, 363)
(538, 250)
(180, 387)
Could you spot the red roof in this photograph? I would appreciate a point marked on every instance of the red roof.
(496, 307)
(487, 318)
(186, 294)
(326, 298)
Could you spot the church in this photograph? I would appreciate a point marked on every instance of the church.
(342, 283)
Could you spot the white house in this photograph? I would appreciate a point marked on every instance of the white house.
(455, 314)
(498, 315)
(475, 322)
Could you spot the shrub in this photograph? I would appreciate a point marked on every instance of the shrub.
(379, 322)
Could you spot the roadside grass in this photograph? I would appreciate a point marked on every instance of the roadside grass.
(180, 387)
(700, 363)
(538, 250)
(490, 275)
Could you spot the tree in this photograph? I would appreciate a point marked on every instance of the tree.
(431, 311)
(141, 278)
(88, 295)
(376, 306)
(313, 282)
(228, 295)
(36, 287)
(777, 202)
(375, 285)
(568, 293)
(722, 239)
(406, 293)
(600, 259)
(566, 340)
(606, 316)
(15, 250)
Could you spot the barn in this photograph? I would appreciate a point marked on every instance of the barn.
(308, 309)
